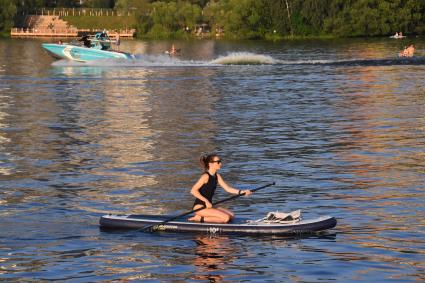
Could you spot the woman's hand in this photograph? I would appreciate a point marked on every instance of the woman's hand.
(208, 204)
(245, 192)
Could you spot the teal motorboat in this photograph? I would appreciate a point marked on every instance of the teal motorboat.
(87, 48)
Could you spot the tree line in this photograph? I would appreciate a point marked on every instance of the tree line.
(253, 19)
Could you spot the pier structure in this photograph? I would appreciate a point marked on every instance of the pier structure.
(51, 25)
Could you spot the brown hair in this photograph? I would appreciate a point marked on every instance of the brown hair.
(206, 159)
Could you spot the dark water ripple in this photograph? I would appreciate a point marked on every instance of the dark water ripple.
(344, 139)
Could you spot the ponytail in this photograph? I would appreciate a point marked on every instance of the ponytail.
(206, 159)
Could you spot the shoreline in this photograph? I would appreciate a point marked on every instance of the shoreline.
(132, 34)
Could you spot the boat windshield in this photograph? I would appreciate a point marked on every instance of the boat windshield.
(100, 40)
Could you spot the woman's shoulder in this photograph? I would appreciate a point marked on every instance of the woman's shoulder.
(205, 176)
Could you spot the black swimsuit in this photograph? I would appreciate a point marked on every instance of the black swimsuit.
(207, 190)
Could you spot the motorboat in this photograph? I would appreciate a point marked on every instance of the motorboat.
(87, 48)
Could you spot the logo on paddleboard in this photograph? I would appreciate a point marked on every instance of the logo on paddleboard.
(164, 227)
(213, 230)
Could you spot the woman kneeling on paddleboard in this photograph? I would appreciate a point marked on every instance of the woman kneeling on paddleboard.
(204, 190)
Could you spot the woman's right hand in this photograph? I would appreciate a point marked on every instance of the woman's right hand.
(208, 204)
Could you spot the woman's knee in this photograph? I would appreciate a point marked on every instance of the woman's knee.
(215, 213)
(223, 216)
(228, 212)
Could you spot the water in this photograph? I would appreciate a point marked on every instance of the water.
(338, 125)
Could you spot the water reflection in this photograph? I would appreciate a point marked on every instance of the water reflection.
(344, 140)
(383, 165)
(75, 72)
(213, 255)
(6, 167)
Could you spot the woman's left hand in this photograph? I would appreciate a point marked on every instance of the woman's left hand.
(246, 192)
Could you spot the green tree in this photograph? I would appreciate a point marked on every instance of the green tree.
(246, 18)
(144, 24)
(280, 13)
(215, 12)
(7, 13)
(139, 6)
(308, 16)
(167, 19)
(164, 16)
(99, 3)
(28, 6)
(239, 18)
(188, 15)
(200, 3)
(375, 17)
(260, 18)
(65, 3)
(412, 18)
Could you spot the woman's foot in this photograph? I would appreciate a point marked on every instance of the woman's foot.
(195, 218)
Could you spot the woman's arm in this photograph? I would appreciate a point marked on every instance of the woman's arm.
(195, 190)
(229, 189)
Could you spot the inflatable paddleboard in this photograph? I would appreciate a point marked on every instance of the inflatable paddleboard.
(238, 226)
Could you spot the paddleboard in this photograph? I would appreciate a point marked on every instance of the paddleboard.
(237, 226)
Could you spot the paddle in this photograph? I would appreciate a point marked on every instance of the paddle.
(154, 226)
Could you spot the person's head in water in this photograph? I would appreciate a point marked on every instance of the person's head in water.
(208, 160)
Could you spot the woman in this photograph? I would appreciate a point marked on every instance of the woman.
(204, 190)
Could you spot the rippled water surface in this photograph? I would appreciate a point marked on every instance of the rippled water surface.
(338, 125)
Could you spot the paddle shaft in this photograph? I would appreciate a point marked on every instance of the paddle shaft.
(203, 207)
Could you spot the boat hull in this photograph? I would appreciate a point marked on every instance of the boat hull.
(82, 54)
(122, 222)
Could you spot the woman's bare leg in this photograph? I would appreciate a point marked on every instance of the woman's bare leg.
(211, 215)
(225, 210)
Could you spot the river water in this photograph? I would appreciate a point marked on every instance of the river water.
(339, 125)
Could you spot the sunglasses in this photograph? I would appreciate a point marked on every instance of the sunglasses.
(216, 161)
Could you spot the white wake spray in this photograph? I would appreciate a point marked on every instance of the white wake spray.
(145, 60)
(244, 58)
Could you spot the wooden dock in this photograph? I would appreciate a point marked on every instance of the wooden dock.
(33, 32)
(54, 26)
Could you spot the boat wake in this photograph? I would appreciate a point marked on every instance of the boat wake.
(244, 58)
(235, 58)
(142, 60)
(358, 62)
